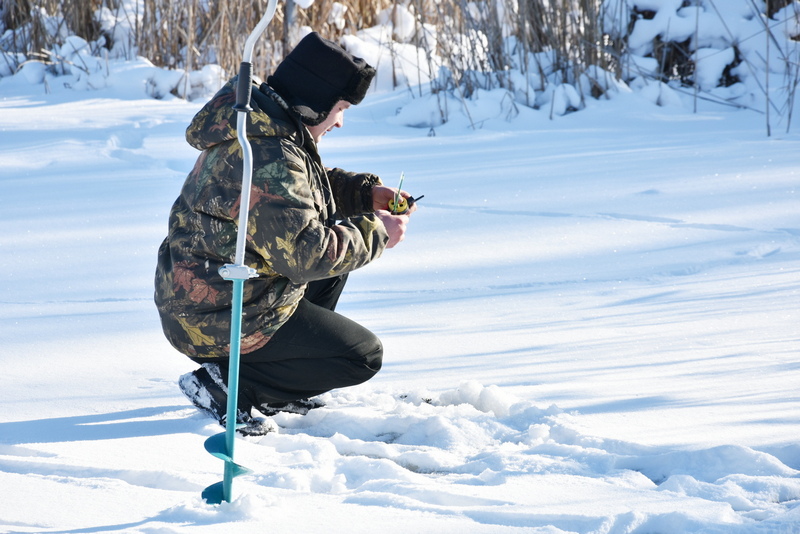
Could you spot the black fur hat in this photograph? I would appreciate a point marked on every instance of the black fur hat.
(317, 74)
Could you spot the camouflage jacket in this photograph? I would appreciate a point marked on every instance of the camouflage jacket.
(305, 224)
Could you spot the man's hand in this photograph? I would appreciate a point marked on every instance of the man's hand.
(381, 195)
(395, 226)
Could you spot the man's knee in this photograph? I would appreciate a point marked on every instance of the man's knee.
(373, 359)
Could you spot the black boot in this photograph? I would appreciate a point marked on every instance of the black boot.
(207, 392)
(300, 407)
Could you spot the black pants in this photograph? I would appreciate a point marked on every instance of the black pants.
(315, 351)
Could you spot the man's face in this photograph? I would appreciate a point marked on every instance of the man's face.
(335, 119)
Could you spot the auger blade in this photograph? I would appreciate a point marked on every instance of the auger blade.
(217, 446)
(214, 494)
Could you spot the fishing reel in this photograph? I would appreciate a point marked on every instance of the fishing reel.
(402, 205)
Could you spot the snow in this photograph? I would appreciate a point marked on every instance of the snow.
(592, 326)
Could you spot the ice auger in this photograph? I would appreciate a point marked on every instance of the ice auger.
(221, 445)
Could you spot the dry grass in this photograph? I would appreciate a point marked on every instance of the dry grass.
(471, 38)
(190, 36)
(191, 33)
(30, 18)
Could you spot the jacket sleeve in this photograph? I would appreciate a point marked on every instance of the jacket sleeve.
(352, 191)
(287, 223)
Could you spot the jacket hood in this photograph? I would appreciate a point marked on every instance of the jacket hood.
(216, 122)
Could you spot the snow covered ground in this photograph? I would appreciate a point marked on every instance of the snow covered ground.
(592, 327)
